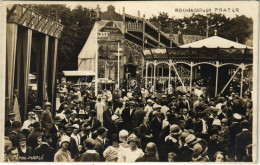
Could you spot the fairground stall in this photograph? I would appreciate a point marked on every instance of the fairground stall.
(214, 63)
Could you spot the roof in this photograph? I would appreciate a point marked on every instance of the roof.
(89, 49)
(110, 14)
(79, 73)
(215, 42)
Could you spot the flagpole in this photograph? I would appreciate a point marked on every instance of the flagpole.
(118, 67)
(96, 62)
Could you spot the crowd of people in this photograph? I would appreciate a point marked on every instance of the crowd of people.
(133, 126)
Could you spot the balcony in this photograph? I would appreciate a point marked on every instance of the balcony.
(134, 26)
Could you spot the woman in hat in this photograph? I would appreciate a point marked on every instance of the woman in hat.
(132, 153)
(63, 155)
(24, 151)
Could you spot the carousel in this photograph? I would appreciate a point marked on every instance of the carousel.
(200, 64)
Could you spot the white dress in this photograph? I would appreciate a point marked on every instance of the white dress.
(132, 155)
(100, 109)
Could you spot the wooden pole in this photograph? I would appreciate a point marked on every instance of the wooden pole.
(146, 74)
(242, 77)
(96, 62)
(169, 77)
(191, 74)
(216, 85)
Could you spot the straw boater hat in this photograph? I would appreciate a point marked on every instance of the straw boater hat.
(191, 139)
(11, 113)
(37, 109)
(82, 112)
(149, 101)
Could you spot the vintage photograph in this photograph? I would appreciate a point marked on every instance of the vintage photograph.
(129, 81)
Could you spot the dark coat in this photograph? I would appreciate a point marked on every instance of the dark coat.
(90, 157)
(100, 147)
(53, 131)
(94, 123)
(45, 151)
(46, 119)
(107, 114)
(142, 131)
(147, 158)
(242, 140)
(156, 128)
(32, 138)
(138, 117)
(23, 157)
(234, 129)
(127, 118)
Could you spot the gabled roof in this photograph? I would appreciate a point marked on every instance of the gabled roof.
(215, 42)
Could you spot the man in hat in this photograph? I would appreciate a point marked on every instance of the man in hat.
(35, 133)
(148, 108)
(94, 122)
(63, 154)
(171, 142)
(243, 139)
(16, 130)
(67, 119)
(38, 113)
(138, 117)
(107, 114)
(150, 153)
(81, 117)
(156, 125)
(127, 115)
(46, 118)
(11, 117)
(200, 153)
(190, 141)
(75, 134)
(73, 144)
(132, 153)
(54, 131)
(234, 129)
(85, 133)
(101, 142)
(114, 127)
(144, 131)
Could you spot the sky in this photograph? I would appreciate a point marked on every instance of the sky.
(175, 9)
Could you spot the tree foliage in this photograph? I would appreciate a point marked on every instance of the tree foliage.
(239, 28)
(78, 24)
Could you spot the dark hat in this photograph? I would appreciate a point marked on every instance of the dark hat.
(69, 126)
(115, 137)
(86, 126)
(21, 137)
(244, 124)
(35, 124)
(57, 118)
(101, 130)
(68, 111)
(93, 112)
(16, 124)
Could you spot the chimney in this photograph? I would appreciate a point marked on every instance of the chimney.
(98, 11)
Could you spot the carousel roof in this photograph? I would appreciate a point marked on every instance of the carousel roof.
(215, 42)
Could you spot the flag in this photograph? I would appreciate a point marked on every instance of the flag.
(16, 110)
